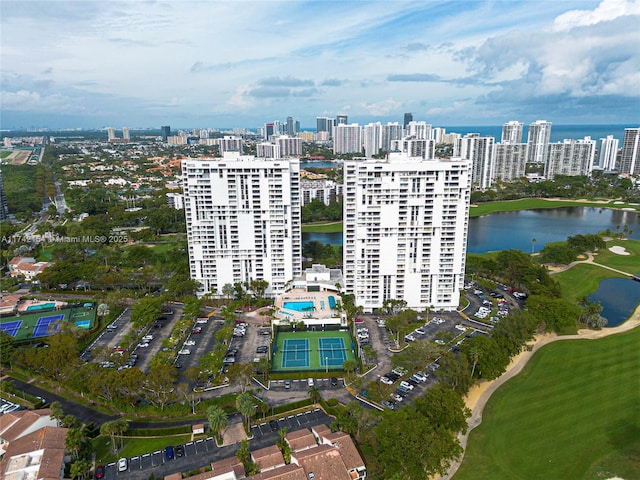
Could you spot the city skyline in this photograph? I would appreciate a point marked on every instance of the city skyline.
(204, 63)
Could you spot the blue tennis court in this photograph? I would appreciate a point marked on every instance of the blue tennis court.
(11, 327)
(332, 351)
(295, 353)
(42, 327)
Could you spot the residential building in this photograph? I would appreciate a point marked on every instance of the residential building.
(31, 445)
(326, 191)
(512, 132)
(390, 132)
(608, 153)
(630, 155)
(289, 146)
(243, 221)
(405, 230)
(481, 153)
(537, 141)
(342, 120)
(325, 125)
(372, 139)
(125, 134)
(175, 200)
(347, 139)
(419, 130)
(229, 143)
(268, 150)
(510, 161)
(111, 134)
(26, 266)
(415, 147)
(570, 157)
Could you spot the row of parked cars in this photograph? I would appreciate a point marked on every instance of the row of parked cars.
(404, 387)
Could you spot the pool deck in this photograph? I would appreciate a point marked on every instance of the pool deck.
(25, 304)
(320, 303)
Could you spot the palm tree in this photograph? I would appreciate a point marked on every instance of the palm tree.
(533, 245)
(314, 394)
(246, 406)
(217, 420)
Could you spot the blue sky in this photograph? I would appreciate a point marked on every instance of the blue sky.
(92, 64)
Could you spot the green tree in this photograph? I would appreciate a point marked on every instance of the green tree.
(244, 455)
(444, 408)
(217, 419)
(314, 394)
(246, 406)
(7, 348)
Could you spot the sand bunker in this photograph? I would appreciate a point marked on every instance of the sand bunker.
(619, 250)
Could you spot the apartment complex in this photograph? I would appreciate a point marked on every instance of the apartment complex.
(630, 156)
(243, 221)
(480, 151)
(405, 230)
(510, 161)
(608, 153)
(537, 141)
(570, 157)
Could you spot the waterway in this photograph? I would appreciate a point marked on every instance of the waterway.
(516, 230)
(619, 298)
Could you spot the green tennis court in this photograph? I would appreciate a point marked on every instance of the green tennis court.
(311, 351)
(43, 324)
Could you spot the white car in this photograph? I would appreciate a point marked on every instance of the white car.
(143, 345)
(462, 328)
(419, 331)
(386, 380)
(396, 397)
(190, 343)
(410, 338)
(185, 351)
(123, 464)
(406, 385)
(202, 320)
(147, 338)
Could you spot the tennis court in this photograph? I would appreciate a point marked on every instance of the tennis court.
(42, 326)
(312, 351)
(36, 325)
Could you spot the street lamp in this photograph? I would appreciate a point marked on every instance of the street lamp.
(326, 364)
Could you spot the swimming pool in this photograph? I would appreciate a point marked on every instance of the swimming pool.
(299, 306)
(43, 306)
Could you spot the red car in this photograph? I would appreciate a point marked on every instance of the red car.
(99, 473)
(196, 330)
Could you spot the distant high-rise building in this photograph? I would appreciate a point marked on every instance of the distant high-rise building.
(390, 132)
(608, 153)
(268, 150)
(125, 134)
(243, 221)
(341, 120)
(420, 130)
(4, 207)
(415, 147)
(111, 134)
(325, 124)
(480, 151)
(405, 231)
(290, 127)
(347, 139)
(510, 161)
(570, 157)
(537, 141)
(165, 132)
(289, 146)
(229, 143)
(512, 132)
(269, 130)
(372, 138)
(408, 117)
(630, 156)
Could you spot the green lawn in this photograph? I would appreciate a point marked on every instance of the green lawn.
(324, 227)
(134, 446)
(583, 279)
(572, 413)
(5, 154)
(531, 203)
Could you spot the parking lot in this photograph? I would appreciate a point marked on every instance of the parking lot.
(7, 407)
(205, 451)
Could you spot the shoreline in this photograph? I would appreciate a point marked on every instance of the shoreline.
(478, 396)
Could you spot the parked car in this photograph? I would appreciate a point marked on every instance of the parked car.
(123, 465)
(406, 385)
(185, 351)
(410, 338)
(262, 349)
(310, 382)
(273, 425)
(180, 451)
(190, 343)
(169, 452)
(99, 472)
(419, 331)
(287, 384)
(196, 331)
(386, 380)
(334, 382)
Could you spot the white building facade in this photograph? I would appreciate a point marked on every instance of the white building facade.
(510, 161)
(512, 132)
(405, 230)
(347, 138)
(481, 153)
(537, 141)
(608, 153)
(630, 156)
(570, 157)
(243, 221)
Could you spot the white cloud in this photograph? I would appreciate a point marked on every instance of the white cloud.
(607, 10)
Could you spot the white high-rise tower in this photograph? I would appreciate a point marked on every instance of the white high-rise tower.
(405, 230)
(512, 132)
(243, 221)
(630, 156)
(537, 141)
(608, 153)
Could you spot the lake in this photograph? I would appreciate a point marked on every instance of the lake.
(619, 298)
(515, 230)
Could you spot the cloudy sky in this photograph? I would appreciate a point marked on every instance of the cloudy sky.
(243, 63)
